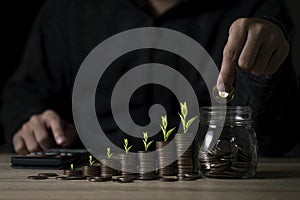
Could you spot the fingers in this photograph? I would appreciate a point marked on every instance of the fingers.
(250, 51)
(37, 134)
(64, 133)
(277, 59)
(19, 145)
(231, 54)
(263, 57)
(55, 124)
(256, 46)
(40, 133)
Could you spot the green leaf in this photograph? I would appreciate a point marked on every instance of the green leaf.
(184, 110)
(170, 132)
(189, 123)
(182, 120)
(126, 141)
(147, 146)
(128, 149)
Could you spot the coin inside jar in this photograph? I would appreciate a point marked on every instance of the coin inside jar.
(223, 96)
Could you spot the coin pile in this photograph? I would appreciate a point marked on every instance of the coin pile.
(109, 167)
(88, 170)
(147, 166)
(128, 164)
(164, 157)
(185, 157)
(72, 172)
(226, 159)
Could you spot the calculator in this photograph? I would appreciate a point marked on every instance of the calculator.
(51, 159)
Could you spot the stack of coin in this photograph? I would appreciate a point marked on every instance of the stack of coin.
(109, 167)
(88, 170)
(72, 172)
(185, 157)
(147, 166)
(128, 164)
(165, 156)
(226, 159)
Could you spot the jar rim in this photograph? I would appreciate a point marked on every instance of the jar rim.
(227, 109)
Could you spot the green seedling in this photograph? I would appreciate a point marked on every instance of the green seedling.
(145, 141)
(72, 167)
(108, 153)
(126, 147)
(163, 127)
(91, 160)
(184, 112)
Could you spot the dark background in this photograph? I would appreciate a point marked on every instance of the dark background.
(17, 17)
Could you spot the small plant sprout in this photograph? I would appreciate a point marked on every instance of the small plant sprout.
(145, 141)
(184, 112)
(126, 147)
(91, 160)
(163, 127)
(72, 167)
(108, 153)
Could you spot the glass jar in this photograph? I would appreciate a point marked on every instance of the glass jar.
(229, 148)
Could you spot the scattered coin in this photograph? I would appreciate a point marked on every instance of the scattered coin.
(37, 177)
(191, 177)
(169, 178)
(48, 174)
(73, 178)
(99, 179)
(61, 178)
(124, 179)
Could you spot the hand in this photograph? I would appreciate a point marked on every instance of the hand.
(37, 134)
(256, 46)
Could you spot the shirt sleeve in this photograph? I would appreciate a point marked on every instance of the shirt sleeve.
(274, 99)
(41, 80)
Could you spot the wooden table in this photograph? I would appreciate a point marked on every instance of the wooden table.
(275, 179)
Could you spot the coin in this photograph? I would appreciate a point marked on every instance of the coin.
(61, 178)
(124, 179)
(73, 178)
(109, 167)
(37, 177)
(223, 96)
(225, 159)
(72, 172)
(47, 174)
(128, 164)
(88, 170)
(99, 179)
(166, 156)
(147, 166)
(194, 176)
(185, 154)
(169, 178)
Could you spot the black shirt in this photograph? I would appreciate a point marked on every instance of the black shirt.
(66, 31)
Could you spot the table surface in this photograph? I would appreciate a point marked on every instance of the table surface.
(276, 178)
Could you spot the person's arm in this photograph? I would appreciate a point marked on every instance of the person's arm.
(37, 95)
(256, 61)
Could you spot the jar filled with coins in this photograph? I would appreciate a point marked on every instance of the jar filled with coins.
(229, 148)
